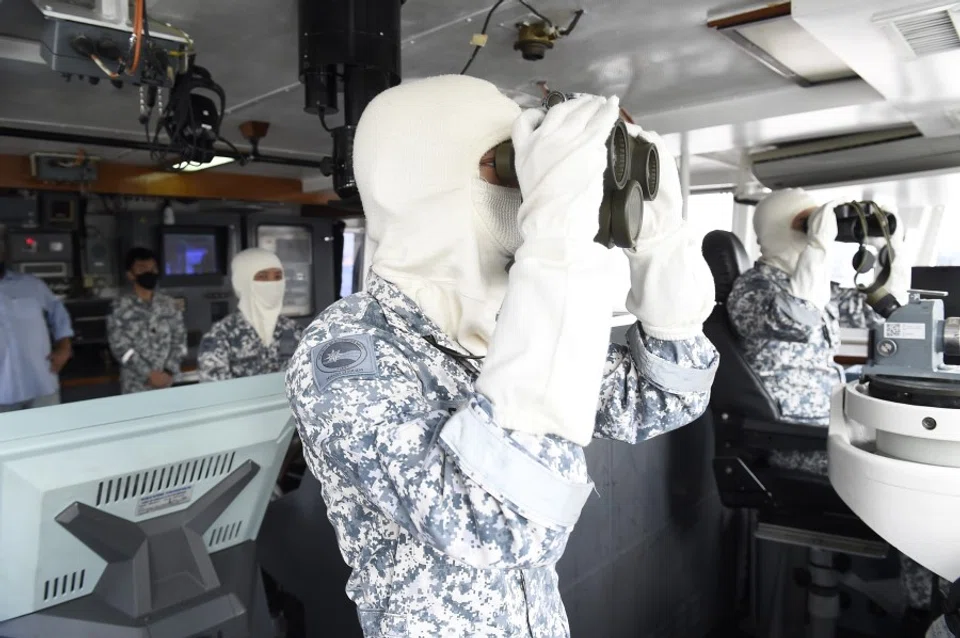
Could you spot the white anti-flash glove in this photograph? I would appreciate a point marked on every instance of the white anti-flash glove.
(544, 365)
(671, 286)
(560, 157)
(811, 279)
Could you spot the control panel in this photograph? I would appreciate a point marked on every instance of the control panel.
(46, 255)
(18, 212)
(60, 211)
(40, 246)
(101, 266)
(73, 46)
(89, 317)
(78, 250)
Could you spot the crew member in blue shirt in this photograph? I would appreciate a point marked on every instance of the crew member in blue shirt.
(29, 363)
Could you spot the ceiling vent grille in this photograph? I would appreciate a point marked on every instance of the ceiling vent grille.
(929, 33)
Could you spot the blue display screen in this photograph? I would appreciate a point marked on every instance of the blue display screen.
(185, 254)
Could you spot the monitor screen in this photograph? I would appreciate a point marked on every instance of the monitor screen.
(190, 254)
(940, 278)
(944, 279)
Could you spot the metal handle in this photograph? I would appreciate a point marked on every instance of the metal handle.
(935, 294)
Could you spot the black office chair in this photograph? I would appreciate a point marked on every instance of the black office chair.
(790, 506)
(748, 421)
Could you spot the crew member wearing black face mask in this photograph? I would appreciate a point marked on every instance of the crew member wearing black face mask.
(145, 329)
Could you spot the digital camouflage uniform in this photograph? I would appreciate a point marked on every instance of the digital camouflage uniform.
(943, 627)
(232, 349)
(939, 629)
(791, 345)
(853, 311)
(452, 525)
(146, 336)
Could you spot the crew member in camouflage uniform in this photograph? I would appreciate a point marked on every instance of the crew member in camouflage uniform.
(145, 329)
(255, 339)
(444, 409)
(947, 625)
(788, 315)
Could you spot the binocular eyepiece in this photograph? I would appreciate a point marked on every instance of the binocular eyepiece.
(632, 176)
(854, 229)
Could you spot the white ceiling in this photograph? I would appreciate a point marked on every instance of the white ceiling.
(672, 72)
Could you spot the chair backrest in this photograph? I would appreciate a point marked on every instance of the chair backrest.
(747, 423)
(727, 259)
(736, 389)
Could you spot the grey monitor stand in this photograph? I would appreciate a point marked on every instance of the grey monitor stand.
(160, 581)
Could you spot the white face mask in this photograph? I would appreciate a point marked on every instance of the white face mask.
(497, 208)
(261, 304)
(269, 294)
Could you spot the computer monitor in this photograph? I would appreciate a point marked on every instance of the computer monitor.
(945, 279)
(193, 255)
(136, 515)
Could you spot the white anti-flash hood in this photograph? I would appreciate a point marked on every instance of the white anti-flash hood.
(781, 245)
(429, 224)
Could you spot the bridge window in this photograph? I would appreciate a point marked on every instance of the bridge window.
(948, 251)
(710, 211)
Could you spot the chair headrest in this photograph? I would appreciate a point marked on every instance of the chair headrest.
(727, 259)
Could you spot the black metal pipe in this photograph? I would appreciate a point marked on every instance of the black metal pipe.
(353, 44)
(136, 145)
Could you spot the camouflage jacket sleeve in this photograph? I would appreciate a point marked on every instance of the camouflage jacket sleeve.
(761, 309)
(449, 476)
(854, 312)
(178, 344)
(939, 629)
(123, 340)
(290, 333)
(654, 386)
(298, 332)
(213, 357)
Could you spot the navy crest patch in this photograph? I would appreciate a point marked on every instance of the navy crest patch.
(353, 356)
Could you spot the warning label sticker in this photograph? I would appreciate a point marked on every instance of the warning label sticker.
(905, 331)
(164, 500)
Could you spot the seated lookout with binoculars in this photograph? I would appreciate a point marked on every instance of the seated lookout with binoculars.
(786, 315)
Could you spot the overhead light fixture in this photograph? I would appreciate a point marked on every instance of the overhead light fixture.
(193, 167)
(769, 34)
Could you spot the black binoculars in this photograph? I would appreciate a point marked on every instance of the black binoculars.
(858, 220)
(632, 176)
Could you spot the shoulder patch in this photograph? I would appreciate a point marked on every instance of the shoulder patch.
(351, 356)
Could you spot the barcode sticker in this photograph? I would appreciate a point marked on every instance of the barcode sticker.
(164, 500)
(905, 331)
